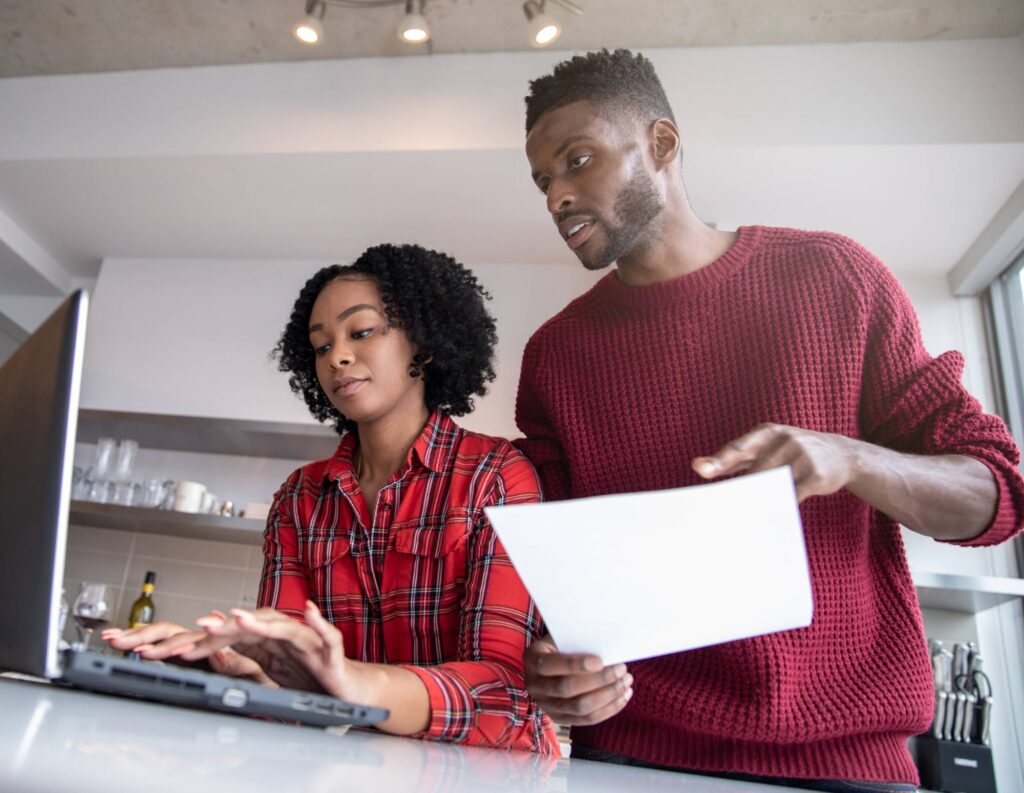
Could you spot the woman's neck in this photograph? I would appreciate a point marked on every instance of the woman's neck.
(384, 444)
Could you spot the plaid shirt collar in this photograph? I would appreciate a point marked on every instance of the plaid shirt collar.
(434, 448)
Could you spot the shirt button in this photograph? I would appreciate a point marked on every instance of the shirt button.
(386, 506)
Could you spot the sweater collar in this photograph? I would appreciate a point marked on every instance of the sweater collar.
(686, 286)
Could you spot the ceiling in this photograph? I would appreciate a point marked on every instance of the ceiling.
(261, 161)
(72, 36)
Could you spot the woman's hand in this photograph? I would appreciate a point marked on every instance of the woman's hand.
(166, 640)
(309, 657)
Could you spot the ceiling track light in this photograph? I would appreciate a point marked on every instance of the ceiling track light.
(310, 29)
(544, 28)
(413, 27)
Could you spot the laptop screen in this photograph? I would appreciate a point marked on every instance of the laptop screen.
(39, 388)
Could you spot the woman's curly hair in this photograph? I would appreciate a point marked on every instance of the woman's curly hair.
(436, 301)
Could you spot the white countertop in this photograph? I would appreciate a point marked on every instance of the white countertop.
(56, 739)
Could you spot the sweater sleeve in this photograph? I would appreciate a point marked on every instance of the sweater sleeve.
(541, 443)
(914, 403)
(480, 698)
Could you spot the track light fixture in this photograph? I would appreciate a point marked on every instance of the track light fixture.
(413, 27)
(310, 29)
(544, 28)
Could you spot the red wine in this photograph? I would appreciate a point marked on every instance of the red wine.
(92, 623)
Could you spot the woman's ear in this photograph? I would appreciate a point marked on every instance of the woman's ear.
(667, 145)
(419, 363)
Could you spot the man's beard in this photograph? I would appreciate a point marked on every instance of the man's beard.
(636, 206)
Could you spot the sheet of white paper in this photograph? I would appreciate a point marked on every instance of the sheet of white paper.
(643, 574)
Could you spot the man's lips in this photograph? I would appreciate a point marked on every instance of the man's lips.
(347, 385)
(576, 230)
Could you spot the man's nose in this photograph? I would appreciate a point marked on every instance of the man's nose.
(559, 196)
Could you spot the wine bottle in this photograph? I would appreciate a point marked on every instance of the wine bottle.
(143, 611)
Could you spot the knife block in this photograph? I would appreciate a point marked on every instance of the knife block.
(954, 767)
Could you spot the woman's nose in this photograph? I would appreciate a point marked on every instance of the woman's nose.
(340, 358)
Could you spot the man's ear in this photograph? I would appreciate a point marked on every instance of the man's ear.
(666, 144)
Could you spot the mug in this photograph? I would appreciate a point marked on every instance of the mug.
(188, 496)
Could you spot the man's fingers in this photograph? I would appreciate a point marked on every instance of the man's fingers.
(594, 707)
(738, 454)
(575, 685)
(551, 663)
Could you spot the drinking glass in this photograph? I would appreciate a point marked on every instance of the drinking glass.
(97, 478)
(91, 610)
(127, 449)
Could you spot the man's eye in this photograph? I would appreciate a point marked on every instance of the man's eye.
(543, 186)
(578, 161)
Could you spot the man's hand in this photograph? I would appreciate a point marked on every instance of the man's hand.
(575, 689)
(822, 463)
(945, 496)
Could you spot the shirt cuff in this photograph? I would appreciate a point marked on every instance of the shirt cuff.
(451, 706)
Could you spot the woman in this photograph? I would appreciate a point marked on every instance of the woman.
(383, 583)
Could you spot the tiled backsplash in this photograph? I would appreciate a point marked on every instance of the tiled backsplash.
(192, 576)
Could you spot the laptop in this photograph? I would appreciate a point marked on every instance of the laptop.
(39, 391)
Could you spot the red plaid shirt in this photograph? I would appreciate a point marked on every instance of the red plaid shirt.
(423, 581)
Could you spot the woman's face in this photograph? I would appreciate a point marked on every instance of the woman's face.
(362, 362)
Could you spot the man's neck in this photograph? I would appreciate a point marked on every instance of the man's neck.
(684, 246)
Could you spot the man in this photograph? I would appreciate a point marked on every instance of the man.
(665, 374)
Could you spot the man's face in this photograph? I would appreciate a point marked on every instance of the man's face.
(592, 169)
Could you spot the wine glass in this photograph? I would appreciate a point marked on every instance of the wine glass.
(91, 610)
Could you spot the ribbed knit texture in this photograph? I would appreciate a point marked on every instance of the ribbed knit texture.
(626, 385)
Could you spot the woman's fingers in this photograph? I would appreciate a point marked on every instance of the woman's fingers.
(131, 638)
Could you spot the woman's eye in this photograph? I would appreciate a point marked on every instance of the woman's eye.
(322, 349)
(362, 334)
(579, 161)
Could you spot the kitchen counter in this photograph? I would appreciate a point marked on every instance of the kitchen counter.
(57, 739)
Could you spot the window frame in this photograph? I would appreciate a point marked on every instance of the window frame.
(1004, 320)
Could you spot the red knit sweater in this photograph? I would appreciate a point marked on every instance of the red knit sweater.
(626, 385)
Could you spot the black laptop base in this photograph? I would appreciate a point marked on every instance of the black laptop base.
(157, 682)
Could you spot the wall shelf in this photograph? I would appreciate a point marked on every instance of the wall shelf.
(282, 440)
(968, 594)
(962, 593)
(245, 531)
(297, 441)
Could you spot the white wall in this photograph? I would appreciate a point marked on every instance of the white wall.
(193, 337)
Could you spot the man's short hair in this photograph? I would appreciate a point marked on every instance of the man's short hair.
(621, 79)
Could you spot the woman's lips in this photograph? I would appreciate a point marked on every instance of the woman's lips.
(347, 386)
